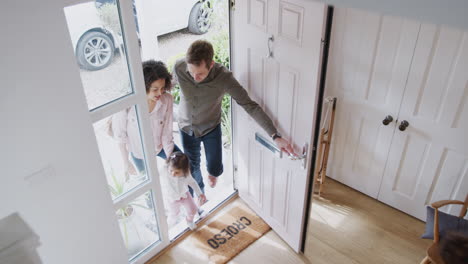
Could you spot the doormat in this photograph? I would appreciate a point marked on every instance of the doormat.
(229, 234)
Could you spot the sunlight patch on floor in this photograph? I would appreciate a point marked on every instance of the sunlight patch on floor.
(332, 216)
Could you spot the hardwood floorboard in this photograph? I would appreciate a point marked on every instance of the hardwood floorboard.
(363, 229)
(345, 226)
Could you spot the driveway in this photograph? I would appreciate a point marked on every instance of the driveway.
(178, 42)
(113, 81)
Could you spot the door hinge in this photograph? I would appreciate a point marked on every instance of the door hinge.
(234, 183)
(323, 42)
(233, 5)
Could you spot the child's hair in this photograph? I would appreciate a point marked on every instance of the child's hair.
(454, 248)
(155, 70)
(179, 160)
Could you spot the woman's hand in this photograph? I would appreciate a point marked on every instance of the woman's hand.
(201, 200)
(129, 170)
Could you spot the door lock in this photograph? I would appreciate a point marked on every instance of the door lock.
(403, 125)
(388, 119)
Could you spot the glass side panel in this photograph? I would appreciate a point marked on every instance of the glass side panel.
(138, 225)
(96, 36)
(120, 146)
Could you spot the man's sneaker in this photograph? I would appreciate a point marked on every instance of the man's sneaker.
(192, 225)
(212, 181)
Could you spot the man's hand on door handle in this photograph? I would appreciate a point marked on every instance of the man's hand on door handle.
(284, 145)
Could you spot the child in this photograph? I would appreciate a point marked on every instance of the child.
(160, 103)
(453, 248)
(176, 190)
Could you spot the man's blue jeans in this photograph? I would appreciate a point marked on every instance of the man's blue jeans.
(213, 152)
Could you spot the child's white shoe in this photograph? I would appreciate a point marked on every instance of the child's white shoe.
(192, 225)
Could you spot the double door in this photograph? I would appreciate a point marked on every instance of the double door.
(401, 116)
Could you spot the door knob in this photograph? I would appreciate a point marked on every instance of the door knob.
(403, 125)
(388, 119)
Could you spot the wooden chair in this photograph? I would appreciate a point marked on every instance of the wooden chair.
(324, 142)
(433, 252)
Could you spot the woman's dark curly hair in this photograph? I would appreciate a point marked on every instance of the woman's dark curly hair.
(155, 70)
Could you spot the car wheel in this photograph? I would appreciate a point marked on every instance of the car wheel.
(94, 51)
(200, 18)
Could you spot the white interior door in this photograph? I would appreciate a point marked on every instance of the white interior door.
(285, 84)
(429, 160)
(370, 56)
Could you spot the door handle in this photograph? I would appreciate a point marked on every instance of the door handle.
(303, 156)
(388, 119)
(403, 125)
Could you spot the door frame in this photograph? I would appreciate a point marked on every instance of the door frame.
(318, 120)
(231, 9)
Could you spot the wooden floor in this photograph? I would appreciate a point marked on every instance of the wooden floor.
(345, 226)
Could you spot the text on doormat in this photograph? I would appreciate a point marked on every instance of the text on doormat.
(229, 232)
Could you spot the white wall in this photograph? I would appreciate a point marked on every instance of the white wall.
(45, 123)
(447, 12)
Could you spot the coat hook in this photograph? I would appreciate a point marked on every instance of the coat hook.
(270, 48)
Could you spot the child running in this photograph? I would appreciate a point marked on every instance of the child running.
(176, 190)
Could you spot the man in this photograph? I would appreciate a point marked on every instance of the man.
(203, 84)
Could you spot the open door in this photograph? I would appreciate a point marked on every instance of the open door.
(276, 57)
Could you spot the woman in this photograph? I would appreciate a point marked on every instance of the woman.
(160, 103)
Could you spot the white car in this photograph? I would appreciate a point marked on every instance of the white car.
(95, 44)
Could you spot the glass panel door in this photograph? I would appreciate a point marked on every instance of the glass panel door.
(105, 43)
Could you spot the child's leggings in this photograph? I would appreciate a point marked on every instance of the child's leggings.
(174, 209)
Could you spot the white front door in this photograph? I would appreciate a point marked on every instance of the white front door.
(370, 56)
(428, 161)
(277, 59)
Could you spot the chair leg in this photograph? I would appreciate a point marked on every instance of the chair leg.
(324, 164)
(426, 260)
(322, 183)
(319, 163)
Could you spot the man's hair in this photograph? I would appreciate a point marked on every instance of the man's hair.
(180, 161)
(155, 70)
(200, 50)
